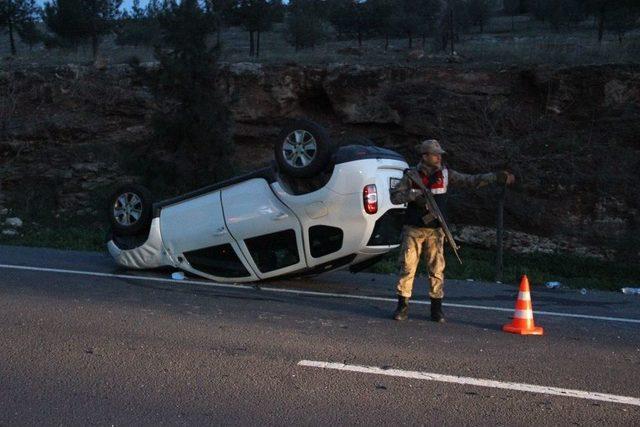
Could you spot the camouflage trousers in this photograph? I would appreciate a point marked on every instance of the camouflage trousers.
(417, 241)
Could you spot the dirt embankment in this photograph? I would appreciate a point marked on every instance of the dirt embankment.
(67, 134)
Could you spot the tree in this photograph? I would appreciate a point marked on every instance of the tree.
(381, 12)
(140, 26)
(599, 9)
(452, 20)
(406, 20)
(512, 8)
(193, 122)
(101, 16)
(337, 11)
(75, 21)
(321, 9)
(65, 19)
(15, 14)
(620, 14)
(541, 9)
(559, 13)
(223, 13)
(624, 17)
(352, 18)
(479, 12)
(30, 34)
(257, 16)
(567, 13)
(305, 23)
(428, 13)
(415, 17)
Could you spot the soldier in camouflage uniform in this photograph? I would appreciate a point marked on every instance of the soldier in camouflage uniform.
(418, 237)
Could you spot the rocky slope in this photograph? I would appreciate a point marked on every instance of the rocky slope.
(570, 136)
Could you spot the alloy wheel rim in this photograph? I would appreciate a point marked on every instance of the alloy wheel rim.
(127, 209)
(299, 148)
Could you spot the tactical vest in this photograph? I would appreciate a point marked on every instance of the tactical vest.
(438, 182)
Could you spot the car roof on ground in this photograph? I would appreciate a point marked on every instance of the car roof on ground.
(350, 153)
(344, 154)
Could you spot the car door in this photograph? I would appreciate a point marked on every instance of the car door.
(267, 231)
(195, 234)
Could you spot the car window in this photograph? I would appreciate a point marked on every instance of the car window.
(274, 251)
(324, 240)
(220, 261)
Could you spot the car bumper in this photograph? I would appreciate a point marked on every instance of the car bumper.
(150, 254)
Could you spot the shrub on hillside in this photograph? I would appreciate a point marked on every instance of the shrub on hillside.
(192, 124)
(305, 28)
(78, 21)
(17, 15)
(139, 26)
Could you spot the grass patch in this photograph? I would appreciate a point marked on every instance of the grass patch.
(67, 237)
(530, 42)
(571, 271)
(478, 263)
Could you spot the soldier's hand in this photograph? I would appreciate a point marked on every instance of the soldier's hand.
(414, 194)
(417, 196)
(421, 199)
(505, 178)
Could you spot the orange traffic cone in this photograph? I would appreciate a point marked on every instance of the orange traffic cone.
(523, 317)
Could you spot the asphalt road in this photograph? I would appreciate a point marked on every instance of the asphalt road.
(92, 344)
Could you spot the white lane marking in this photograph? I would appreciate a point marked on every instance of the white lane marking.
(301, 292)
(565, 392)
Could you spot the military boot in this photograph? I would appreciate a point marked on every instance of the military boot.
(436, 310)
(402, 312)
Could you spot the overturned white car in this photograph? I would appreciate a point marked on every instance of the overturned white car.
(319, 209)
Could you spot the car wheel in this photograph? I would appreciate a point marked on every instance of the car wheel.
(303, 149)
(130, 210)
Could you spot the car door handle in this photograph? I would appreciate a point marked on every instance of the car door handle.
(280, 216)
(220, 231)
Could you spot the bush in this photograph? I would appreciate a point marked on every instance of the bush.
(192, 124)
(305, 29)
(140, 27)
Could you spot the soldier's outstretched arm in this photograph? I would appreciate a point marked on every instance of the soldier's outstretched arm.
(458, 179)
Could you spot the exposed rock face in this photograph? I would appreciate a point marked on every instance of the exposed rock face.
(569, 135)
(13, 222)
(525, 243)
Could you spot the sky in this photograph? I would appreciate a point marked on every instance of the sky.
(126, 4)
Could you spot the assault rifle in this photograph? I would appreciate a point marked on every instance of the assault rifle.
(434, 211)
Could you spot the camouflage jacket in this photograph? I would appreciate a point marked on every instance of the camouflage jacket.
(438, 181)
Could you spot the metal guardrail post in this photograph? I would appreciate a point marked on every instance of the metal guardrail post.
(500, 232)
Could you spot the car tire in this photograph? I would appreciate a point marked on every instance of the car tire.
(303, 149)
(130, 210)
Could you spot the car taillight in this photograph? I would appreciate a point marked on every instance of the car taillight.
(370, 199)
